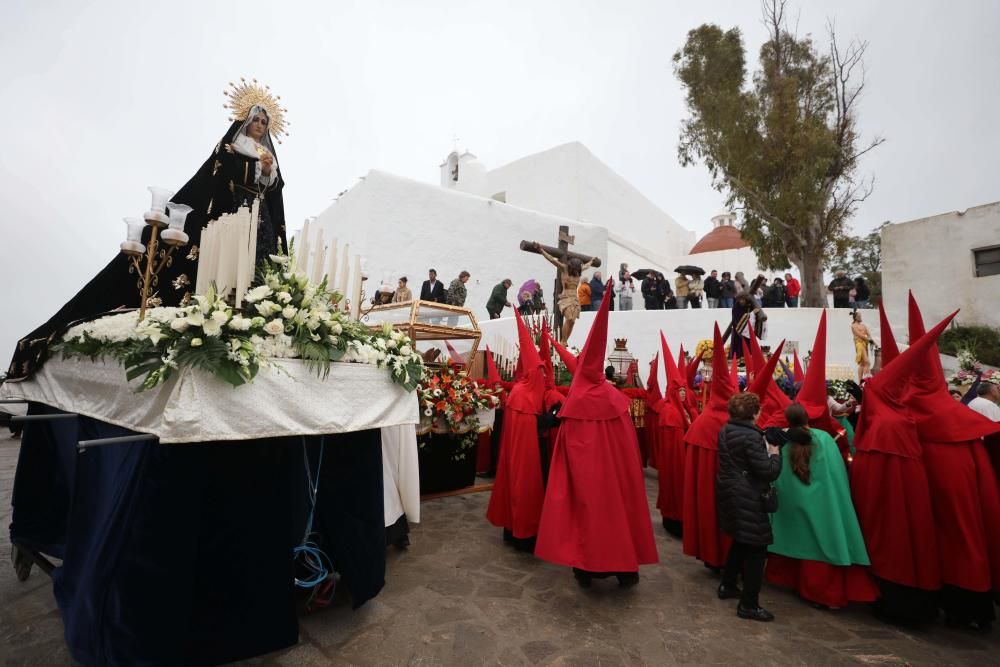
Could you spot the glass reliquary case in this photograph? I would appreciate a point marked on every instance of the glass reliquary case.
(440, 332)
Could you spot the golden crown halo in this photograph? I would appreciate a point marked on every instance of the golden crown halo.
(243, 96)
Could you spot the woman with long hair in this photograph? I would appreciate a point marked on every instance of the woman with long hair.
(818, 547)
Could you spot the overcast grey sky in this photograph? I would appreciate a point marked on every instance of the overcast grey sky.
(101, 99)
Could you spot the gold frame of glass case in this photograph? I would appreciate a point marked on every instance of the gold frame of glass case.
(421, 321)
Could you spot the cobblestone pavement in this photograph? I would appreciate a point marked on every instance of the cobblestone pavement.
(459, 596)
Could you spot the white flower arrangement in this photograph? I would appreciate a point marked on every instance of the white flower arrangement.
(212, 336)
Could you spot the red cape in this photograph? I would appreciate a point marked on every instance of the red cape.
(702, 537)
(670, 442)
(889, 483)
(596, 516)
(518, 491)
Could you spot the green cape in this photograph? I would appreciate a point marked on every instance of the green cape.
(816, 521)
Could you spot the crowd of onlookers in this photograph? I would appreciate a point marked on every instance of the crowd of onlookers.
(657, 292)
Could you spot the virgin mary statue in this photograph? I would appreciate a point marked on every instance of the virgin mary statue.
(242, 167)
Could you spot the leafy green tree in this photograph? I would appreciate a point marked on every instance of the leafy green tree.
(783, 147)
(862, 256)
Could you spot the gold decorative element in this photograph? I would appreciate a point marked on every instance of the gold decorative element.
(243, 96)
(181, 281)
(186, 299)
(154, 301)
(193, 253)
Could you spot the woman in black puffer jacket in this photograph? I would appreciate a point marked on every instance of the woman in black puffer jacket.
(747, 466)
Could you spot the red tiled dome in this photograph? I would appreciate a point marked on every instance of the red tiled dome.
(723, 237)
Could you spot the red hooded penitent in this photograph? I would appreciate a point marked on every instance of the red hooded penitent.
(963, 486)
(518, 491)
(596, 516)
(702, 537)
(670, 441)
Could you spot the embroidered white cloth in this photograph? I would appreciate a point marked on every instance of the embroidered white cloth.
(286, 400)
(400, 474)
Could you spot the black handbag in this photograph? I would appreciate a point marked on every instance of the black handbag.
(770, 500)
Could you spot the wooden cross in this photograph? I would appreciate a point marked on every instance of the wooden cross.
(563, 254)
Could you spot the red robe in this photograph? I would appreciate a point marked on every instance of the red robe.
(518, 490)
(703, 538)
(596, 515)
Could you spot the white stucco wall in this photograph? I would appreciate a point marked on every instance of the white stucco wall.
(933, 257)
(403, 227)
(687, 327)
(570, 182)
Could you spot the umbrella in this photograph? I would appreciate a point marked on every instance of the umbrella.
(529, 287)
(688, 268)
(642, 273)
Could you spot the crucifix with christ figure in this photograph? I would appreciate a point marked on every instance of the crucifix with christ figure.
(569, 267)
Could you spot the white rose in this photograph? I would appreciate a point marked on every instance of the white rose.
(220, 316)
(288, 312)
(275, 327)
(406, 350)
(196, 319)
(284, 297)
(336, 329)
(179, 325)
(211, 328)
(391, 344)
(256, 340)
(195, 342)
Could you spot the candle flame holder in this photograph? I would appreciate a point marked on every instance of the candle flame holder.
(148, 260)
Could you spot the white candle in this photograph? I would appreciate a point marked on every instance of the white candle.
(317, 264)
(331, 264)
(302, 252)
(345, 260)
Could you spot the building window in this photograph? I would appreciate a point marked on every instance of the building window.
(501, 196)
(987, 261)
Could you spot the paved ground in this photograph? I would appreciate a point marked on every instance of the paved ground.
(458, 596)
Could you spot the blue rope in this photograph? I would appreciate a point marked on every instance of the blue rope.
(308, 555)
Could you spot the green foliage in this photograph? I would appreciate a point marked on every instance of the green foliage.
(862, 256)
(783, 146)
(983, 342)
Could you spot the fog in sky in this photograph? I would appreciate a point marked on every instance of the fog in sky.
(101, 99)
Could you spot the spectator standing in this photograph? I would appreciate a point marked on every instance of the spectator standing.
(681, 290)
(727, 290)
(792, 290)
(403, 292)
(651, 299)
(498, 299)
(776, 294)
(861, 292)
(456, 290)
(985, 402)
(696, 291)
(432, 289)
(596, 290)
(742, 285)
(747, 466)
(841, 287)
(583, 294)
(713, 289)
(667, 301)
(626, 288)
(622, 271)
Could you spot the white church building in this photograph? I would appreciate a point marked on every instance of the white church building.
(476, 218)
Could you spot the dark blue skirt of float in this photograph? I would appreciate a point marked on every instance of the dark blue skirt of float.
(182, 554)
